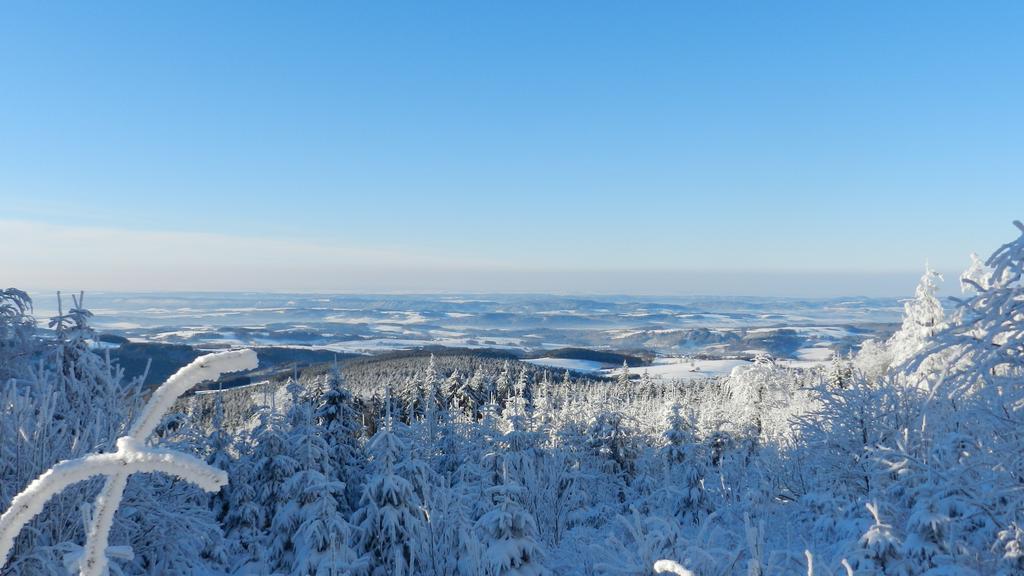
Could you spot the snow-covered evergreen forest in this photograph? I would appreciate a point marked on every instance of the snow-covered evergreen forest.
(905, 457)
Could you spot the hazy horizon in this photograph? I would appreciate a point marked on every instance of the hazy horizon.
(49, 258)
(816, 286)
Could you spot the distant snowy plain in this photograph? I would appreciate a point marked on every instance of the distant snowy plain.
(681, 337)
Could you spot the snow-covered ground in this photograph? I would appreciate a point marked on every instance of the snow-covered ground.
(815, 354)
(683, 368)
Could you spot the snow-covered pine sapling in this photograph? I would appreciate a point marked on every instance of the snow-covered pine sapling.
(923, 317)
(132, 456)
(878, 550)
(508, 536)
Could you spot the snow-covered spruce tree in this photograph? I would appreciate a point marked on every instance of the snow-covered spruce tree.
(310, 532)
(474, 394)
(219, 446)
(339, 423)
(321, 539)
(646, 389)
(873, 359)
(465, 499)
(274, 463)
(479, 468)
(524, 456)
(518, 444)
(452, 426)
(542, 417)
(840, 373)
(433, 398)
(17, 331)
(244, 518)
(423, 437)
(409, 397)
(923, 317)
(310, 456)
(508, 535)
(623, 377)
(877, 552)
(503, 385)
(684, 469)
(987, 334)
(610, 466)
(452, 383)
(464, 393)
(390, 520)
(977, 274)
(522, 386)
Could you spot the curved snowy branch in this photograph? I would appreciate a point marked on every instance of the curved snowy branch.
(130, 458)
(209, 367)
(671, 567)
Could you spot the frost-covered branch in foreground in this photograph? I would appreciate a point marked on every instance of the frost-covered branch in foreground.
(132, 456)
(671, 567)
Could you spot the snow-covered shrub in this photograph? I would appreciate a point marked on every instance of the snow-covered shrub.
(132, 456)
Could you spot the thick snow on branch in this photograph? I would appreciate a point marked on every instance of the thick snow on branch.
(131, 458)
(670, 567)
(209, 367)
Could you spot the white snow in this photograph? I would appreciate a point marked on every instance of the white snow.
(671, 567)
(815, 354)
(684, 369)
(811, 331)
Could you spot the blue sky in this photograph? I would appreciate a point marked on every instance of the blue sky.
(329, 145)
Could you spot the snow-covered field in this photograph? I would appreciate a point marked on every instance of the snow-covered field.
(680, 368)
(373, 323)
(816, 354)
(683, 369)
